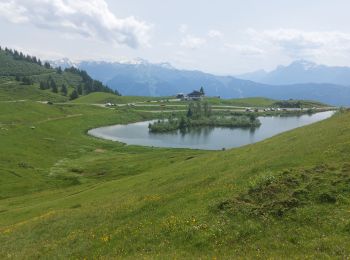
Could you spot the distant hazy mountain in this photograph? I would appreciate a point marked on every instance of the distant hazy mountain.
(257, 76)
(300, 72)
(139, 77)
(143, 78)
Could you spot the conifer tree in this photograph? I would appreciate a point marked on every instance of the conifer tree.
(42, 85)
(47, 65)
(80, 89)
(64, 90)
(74, 95)
(54, 87)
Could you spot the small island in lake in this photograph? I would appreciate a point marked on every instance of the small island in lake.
(200, 114)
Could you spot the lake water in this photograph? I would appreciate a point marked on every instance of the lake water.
(207, 138)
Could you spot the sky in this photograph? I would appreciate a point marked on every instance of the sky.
(226, 37)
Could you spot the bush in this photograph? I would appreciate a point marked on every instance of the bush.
(327, 198)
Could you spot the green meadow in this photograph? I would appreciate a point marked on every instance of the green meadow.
(65, 194)
(103, 98)
(12, 90)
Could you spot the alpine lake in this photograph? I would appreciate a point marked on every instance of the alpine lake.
(206, 138)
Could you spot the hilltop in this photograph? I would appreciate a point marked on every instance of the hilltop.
(27, 77)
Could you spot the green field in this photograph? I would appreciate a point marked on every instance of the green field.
(103, 98)
(168, 102)
(65, 194)
(11, 90)
(259, 102)
(243, 102)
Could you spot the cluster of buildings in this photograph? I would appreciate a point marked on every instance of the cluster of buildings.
(194, 95)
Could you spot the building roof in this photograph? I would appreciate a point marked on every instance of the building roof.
(195, 93)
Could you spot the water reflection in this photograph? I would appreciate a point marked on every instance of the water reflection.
(209, 138)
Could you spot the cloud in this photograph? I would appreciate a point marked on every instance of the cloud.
(183, 28)
(192, 42)
(245, 50)
(91, 19)
(215, 34)
(301, 44)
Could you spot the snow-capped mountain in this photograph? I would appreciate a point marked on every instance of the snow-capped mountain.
(142, 78)
(63, 63)
(301, 72)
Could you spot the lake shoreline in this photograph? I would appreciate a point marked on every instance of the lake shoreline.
(205, 138)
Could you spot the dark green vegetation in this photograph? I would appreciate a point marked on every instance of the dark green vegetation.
(200, 114)
(13, 63)
(277, 195)
(265, 102)
(298, 104)
(11, 90)
(242, 102)
(65, 194)
(24, 75)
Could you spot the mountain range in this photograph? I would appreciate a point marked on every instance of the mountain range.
(301, 72)
(139, 77)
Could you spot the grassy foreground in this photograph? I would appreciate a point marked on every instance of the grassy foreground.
(67, 195)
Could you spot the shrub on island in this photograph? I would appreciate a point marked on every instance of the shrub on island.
(200, 115)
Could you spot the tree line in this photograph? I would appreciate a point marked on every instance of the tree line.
(18, 55)
(200, 114)
(87, 85)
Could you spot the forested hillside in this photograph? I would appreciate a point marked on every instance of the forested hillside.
(27, 74)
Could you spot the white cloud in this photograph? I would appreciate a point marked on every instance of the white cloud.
(192, 42)
(12, 12)
(215, 34)
(245, 50)
(91, 19)
(303, 44)
(183, 28)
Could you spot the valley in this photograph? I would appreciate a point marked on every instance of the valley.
(82, 196)
(174, 130)
(67, 194)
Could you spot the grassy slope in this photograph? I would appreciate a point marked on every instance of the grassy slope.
(243, 102)
(65, 194)
(259, 102)
(69, 79)
(103, 98)
(14, 90)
